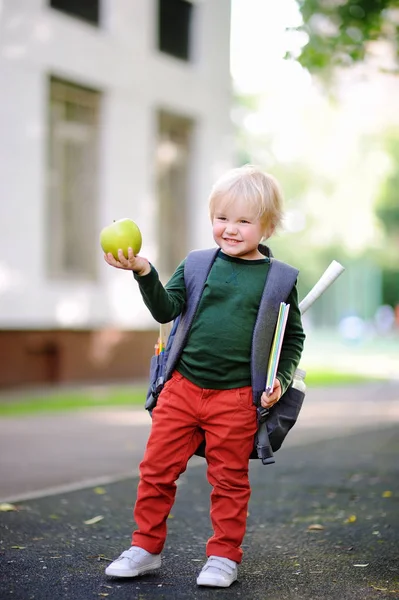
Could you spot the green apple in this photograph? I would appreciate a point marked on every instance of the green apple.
(121, 234)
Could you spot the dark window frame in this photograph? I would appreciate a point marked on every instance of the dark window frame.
(95, 9)
(175, 17)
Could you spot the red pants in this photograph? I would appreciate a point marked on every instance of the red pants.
(185, 414)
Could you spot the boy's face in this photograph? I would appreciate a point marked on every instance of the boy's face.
(237, 230)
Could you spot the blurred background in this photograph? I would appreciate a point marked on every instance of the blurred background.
(132, 108)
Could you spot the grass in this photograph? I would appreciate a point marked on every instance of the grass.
(323, 378)
(61, 401)
(96, 396)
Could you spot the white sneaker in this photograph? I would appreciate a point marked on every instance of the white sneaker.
(218, 572)
(133, 562)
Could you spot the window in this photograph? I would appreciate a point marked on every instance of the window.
(72, 180)
(174, 27)
(88, 10)
(173, 169)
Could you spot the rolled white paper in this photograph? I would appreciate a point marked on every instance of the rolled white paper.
(332, 272)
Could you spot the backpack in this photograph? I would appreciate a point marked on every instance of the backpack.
(273, 424)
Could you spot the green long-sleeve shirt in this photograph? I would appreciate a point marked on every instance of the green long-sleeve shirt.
(217, 354)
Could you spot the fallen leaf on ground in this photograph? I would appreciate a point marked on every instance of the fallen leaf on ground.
(93, 520)
(18, 547)
(316, 527)
(387, 494)
(99, 490)
(6, 507)
(361, 565)
(351, 519)
(378, 588)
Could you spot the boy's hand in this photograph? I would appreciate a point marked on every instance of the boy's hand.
(269, 401)
(139, 265)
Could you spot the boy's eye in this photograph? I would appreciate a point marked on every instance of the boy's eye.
(219, 218)
(244, 221)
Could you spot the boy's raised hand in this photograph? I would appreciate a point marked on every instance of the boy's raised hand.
(268, 401)
(139, 265)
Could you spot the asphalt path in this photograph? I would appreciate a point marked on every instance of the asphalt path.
(323, 523)
(46, 454)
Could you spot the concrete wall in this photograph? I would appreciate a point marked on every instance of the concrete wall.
(121, 60)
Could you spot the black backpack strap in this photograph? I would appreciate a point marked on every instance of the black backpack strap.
(196, 270)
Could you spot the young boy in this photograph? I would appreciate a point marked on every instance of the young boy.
(209, 395)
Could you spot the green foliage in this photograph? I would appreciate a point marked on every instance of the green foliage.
(390, 286)
(387, 207)
(339, 31)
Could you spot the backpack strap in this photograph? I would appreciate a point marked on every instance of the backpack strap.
(280, 280)
(196, 270)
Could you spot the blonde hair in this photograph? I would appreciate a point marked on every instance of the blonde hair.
(258, 189)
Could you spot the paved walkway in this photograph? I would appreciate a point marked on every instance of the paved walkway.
(323, 522)
(49, 453)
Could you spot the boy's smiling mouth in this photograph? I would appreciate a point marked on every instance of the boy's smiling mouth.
(231, 240)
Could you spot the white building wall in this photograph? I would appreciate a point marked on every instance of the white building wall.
(121, 60)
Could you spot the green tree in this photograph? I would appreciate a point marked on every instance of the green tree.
(387, 211)
(387, 205)
(339, 32)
